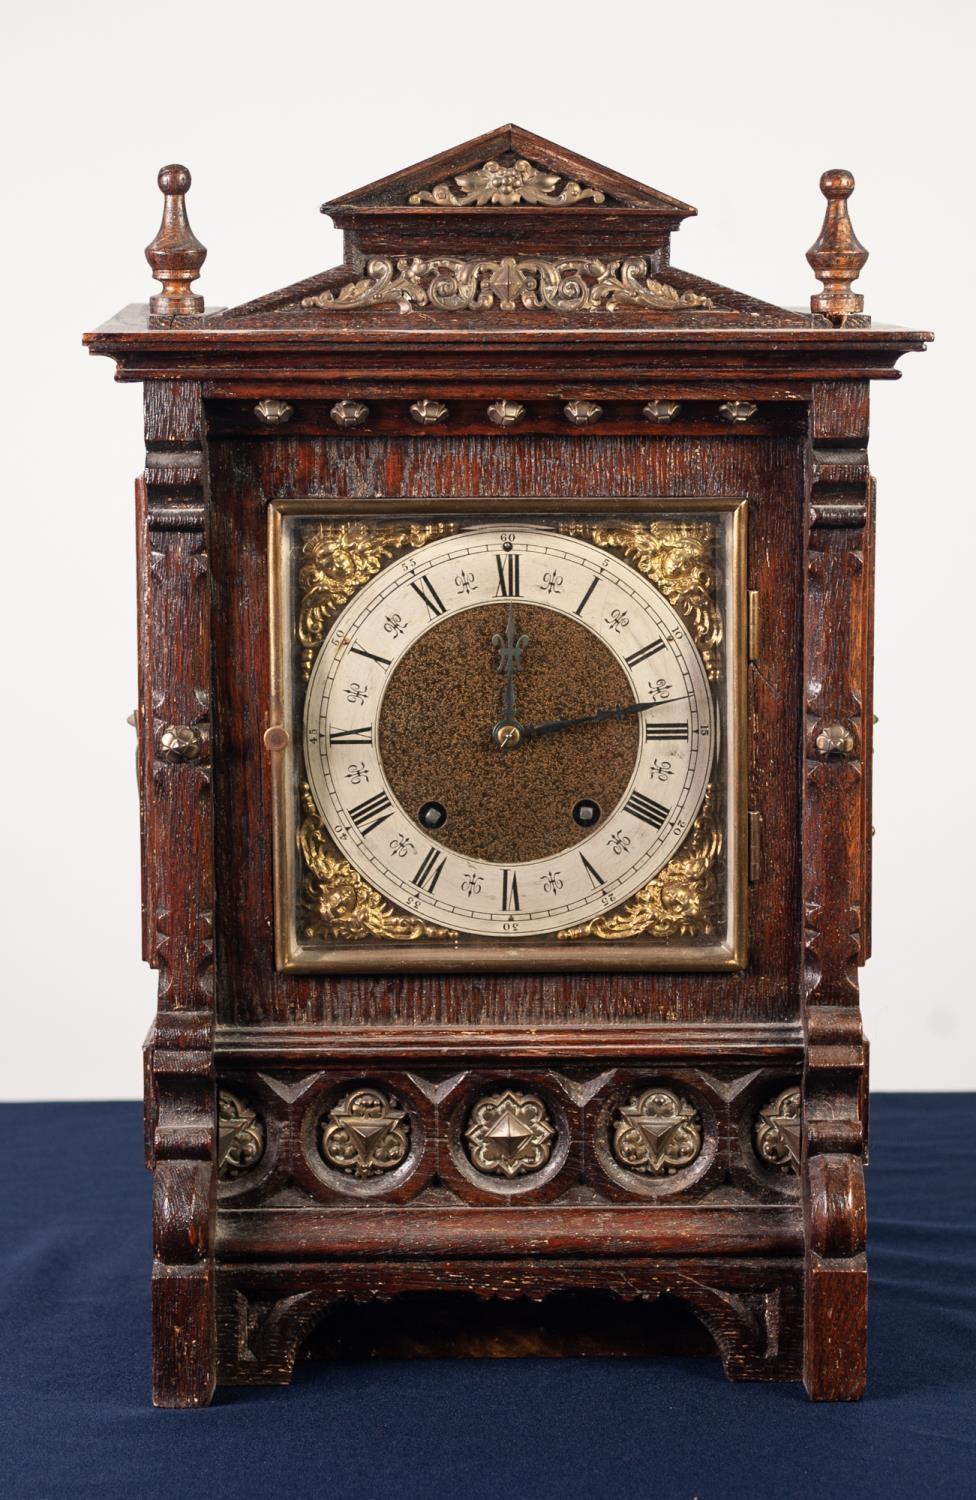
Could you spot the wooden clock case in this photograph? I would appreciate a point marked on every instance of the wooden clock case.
(700, 391)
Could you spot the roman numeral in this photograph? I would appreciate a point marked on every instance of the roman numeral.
(665, 731)
(595, 877)
(371, 813)
(646, 809)
(384, 661)
(582, 603)
(430, 870)
(510, 895)
(508, 576)
(430, 596)
(361, 736)
(645, 651)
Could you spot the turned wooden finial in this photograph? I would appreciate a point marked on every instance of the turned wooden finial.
(176, 255)
(837, 255)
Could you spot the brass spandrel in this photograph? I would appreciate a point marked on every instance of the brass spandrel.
(684, 900)
(337, 903)
(679, 559)
(339, 560)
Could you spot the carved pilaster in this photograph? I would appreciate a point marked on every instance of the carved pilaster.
(836, 816)
(174, 729)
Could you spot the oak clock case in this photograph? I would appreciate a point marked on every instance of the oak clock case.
(439, 804)
(504, 744)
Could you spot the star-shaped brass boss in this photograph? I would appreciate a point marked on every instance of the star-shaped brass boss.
(365, 1134)
(655, 1133)
(509, 1134)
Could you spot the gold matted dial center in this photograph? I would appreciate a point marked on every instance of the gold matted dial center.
(442, 702)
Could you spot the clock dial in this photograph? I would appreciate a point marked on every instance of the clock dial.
(508, 732)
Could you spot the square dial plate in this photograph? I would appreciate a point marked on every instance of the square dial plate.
(511, 739)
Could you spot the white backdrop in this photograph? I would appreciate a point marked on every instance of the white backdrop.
(736, 108)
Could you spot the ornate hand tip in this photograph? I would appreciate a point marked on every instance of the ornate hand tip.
(175, 256)
(837, 255)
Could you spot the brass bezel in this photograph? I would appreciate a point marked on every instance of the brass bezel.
(473, 954)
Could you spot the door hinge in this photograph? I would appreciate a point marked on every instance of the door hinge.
(755, 847)
(752, 624)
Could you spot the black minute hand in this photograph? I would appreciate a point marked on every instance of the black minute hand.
(533, 731)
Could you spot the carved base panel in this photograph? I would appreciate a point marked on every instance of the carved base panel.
(748, 1312)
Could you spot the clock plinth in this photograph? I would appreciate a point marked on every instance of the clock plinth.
(504, 761)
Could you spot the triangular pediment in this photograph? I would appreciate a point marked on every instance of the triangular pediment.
(506, 228)
(487, 172)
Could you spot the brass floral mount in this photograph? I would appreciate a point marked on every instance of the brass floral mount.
(509, 1134)
(507, 184)
(778, 1132)
(365, 1134)
(682, 900)
(656, 1133)
(339, 560)
(240, 1136)
(579, 283)
(338, 904)
(678, 557)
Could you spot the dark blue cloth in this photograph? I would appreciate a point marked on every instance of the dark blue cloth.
(76, 1420)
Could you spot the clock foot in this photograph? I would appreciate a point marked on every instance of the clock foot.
(183, 1328)
(835, 1315)
(835, 1329)
(184, 1359)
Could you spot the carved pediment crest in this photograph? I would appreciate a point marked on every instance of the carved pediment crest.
(507, 184)
(583, 283)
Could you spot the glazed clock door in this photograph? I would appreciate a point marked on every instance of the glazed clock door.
(507, 741)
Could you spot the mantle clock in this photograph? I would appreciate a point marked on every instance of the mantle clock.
(504, 728)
